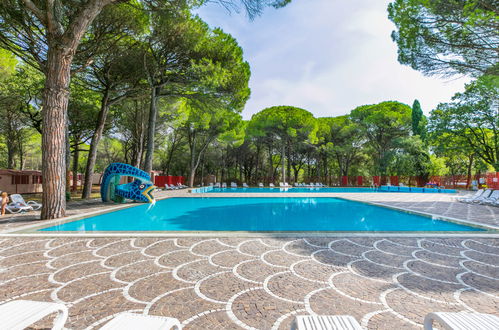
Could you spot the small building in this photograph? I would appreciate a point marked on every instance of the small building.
(20, 182)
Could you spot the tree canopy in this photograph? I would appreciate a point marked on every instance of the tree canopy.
(444, 37)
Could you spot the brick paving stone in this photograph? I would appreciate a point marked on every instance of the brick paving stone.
(384, 282)
(236, 282)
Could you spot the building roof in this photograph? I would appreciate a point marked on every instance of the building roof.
(19, 172)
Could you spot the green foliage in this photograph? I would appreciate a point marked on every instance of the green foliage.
(447, 37)
(383, 124)
(341, 138)
(8, 63)
(419, 121)
(285, 123)
(473, 118)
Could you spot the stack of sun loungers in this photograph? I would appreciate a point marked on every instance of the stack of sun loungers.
(482, 196)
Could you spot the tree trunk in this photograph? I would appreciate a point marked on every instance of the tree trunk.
(151, 130)
(283, 159)
(61, 48)
(470, 166)
(10, 156)
(54, 120)
(92, 154)
(68, 163)
(288, 158)
(76, 159)
(271, 165)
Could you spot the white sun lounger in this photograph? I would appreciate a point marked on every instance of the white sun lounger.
(494, 197)
(326, 322)
(486, 194)
(245, 185)
(260, 185)
(18, 199)
(462, 321)
(131, 321)
(467, 198)
(271, 185)
(233, 185)
(14, 208)
(19, 314)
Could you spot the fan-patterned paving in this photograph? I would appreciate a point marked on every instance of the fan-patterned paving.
(253, 283)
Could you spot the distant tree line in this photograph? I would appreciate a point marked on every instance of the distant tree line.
(148, 83)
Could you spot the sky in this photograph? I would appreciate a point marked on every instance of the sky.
(326, 56)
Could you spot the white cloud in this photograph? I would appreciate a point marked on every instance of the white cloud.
(327, 56)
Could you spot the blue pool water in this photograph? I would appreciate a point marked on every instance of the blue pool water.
(382, 189)
(258, 214)
(290, 190)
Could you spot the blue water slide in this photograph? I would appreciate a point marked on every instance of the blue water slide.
(138, 190)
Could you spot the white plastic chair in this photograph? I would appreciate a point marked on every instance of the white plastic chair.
(462, 321)
(271, 185)
(19, 314)
(245, 185)
(18, 199)
(260, 185)
(131, 321)
(325, 322)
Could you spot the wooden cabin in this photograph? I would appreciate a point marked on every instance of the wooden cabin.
(20, 182)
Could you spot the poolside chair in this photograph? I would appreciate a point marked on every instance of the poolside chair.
(486, 194)
(296, 184)
(271, 185)
(468, 198)
(173, 187)
(18, 199)
(260, 185)
(311, 184)
(20, 314)
(217, 185)
(281, 184)
(494, 196)
(14, 208)
(233, 185)
(325, 322)
(131, 321)
(181, 186)
(462, 321)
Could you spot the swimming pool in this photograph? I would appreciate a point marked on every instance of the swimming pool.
(258, 214)
(382, 189)
(289, 190)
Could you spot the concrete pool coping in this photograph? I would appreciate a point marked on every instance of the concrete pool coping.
(31, 230)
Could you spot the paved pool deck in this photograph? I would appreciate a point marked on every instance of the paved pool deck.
(229, 282)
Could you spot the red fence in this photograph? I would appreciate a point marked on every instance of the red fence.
(161, 180)
(491, 180)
